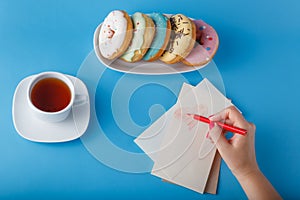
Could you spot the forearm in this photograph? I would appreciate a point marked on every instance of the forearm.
(257, 186)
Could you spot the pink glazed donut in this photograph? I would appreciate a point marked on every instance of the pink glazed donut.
(205, 47)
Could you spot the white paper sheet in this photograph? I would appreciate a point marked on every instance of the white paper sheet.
(174, 140)
(150, 140)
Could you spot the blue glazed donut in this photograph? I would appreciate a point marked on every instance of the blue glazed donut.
(161, 39)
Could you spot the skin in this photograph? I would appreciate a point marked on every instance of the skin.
(239, 155)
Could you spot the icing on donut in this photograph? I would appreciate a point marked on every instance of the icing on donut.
(161, 37)
(206, 46)
(139, 28)
(183, 40)
(113, 33)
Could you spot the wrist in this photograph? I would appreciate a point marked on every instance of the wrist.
(247, 173)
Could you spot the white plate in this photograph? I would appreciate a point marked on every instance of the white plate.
(31, 128)
(142, 67)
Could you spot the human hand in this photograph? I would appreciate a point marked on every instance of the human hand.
(238, 152)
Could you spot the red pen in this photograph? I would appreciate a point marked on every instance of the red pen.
(226, 127)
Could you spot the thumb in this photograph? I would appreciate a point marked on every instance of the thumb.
(218, 138)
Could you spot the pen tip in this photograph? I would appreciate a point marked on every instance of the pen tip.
(188, 114)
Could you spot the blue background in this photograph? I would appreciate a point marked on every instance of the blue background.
(258, 59)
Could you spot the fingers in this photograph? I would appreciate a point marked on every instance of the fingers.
(218, 138)
(231, 114)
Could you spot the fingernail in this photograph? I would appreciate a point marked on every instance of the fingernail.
(211, 117)
(211, 125)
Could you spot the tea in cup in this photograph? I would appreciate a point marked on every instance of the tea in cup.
(51, 96)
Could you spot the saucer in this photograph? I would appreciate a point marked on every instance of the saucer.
(34, 129)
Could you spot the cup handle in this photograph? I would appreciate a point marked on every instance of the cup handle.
(80, 100)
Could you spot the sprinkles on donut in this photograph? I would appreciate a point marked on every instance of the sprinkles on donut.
(115, 34)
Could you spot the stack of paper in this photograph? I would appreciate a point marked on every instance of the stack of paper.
(174, 141)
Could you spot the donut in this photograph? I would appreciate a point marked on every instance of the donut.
(143, 34)
(182, 40)
(115, 34)
(161, 39)
(205, 47)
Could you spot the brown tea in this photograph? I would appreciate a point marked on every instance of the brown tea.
(50, 95)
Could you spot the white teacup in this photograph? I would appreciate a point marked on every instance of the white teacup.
(51, 95)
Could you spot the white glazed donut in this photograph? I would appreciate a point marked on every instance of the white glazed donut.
(115, 34)
(143, 34)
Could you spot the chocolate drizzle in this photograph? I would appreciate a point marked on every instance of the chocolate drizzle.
(179, 34)
(173, 23)
(176, 35)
